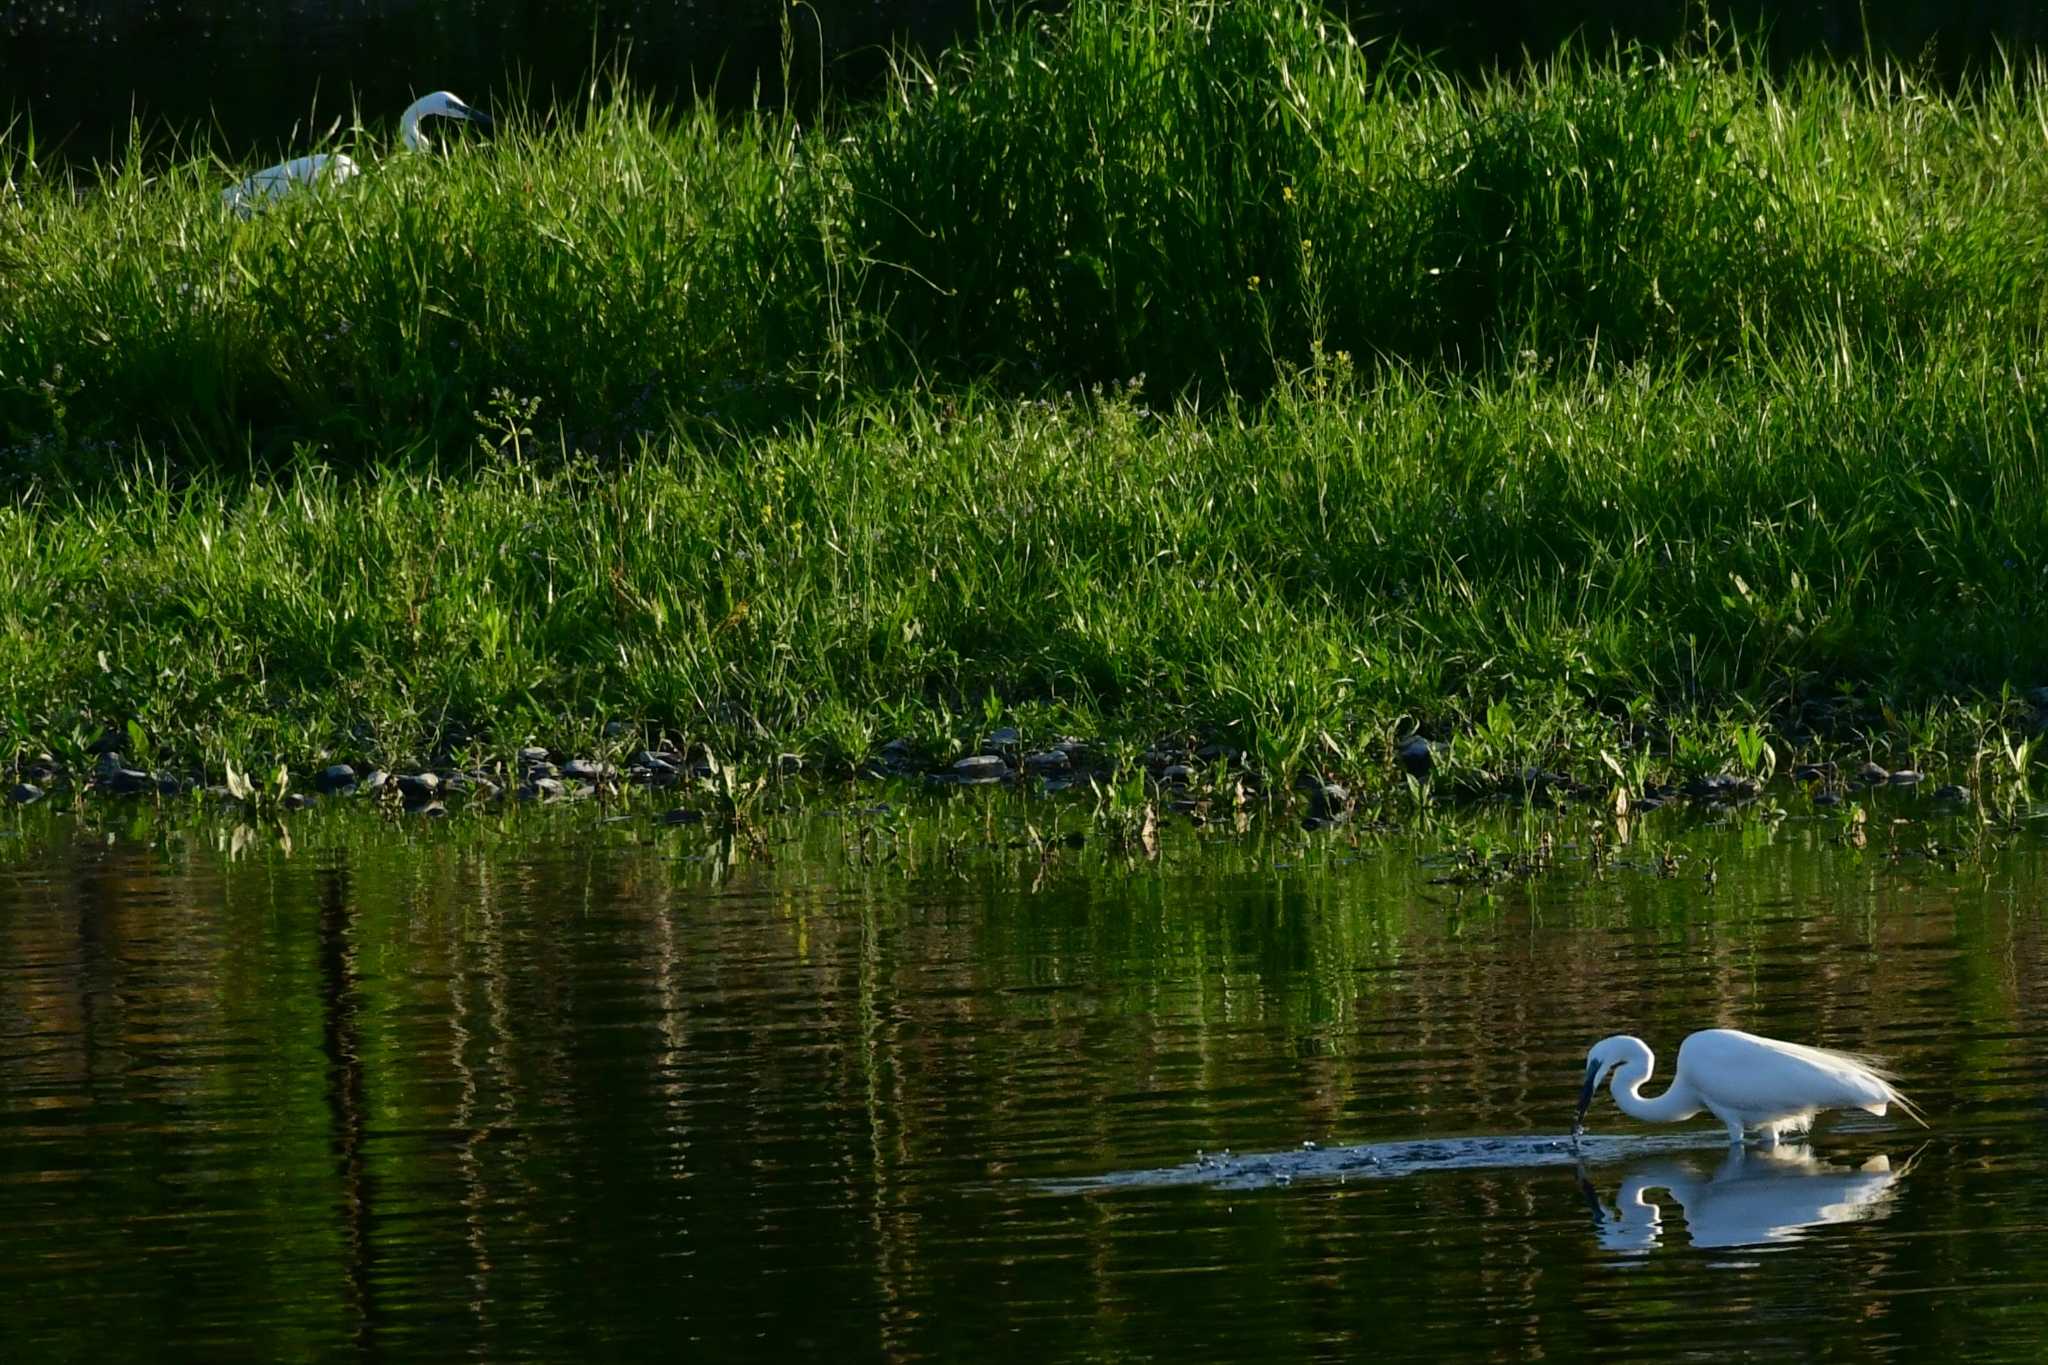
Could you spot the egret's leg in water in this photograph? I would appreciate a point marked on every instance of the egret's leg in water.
(1735, 1134)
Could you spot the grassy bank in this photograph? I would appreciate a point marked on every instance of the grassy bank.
(1547, 565)
(1646, 407)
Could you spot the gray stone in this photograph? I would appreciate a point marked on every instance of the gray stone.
(1177, 774)
(338, 778)
(1872, 775)
(533, 753)
(656, 770)
(26, 794)
(1953, 792)
(297, 801)
(484, 789)
(543, 789)
(1827, 798)
(109, 764)
(376, 781)
(1908, 777)
(586, 770)
(981, 768)
(682, 816)
(1003, 740)
(419, 787)
(1328, 801)
(125, 781)
(1050, 761)
(1418, 756)
(617, 729)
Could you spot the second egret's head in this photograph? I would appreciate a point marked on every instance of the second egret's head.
(1602, 1060)
(440, 104)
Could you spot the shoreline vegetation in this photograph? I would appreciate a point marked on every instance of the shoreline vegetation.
(1178, 378)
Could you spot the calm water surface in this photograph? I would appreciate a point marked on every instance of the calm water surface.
(553, 1088)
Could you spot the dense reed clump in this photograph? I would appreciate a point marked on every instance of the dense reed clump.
(1194, 192)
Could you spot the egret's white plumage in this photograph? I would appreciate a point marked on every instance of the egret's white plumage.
(1741, 1079)
(273, 182)
(324, 169)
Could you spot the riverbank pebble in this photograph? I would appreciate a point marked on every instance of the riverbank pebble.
(1418, 756)
(419, 788)
(979, 769)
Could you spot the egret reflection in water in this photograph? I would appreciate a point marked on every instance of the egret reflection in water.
(1756, 1196)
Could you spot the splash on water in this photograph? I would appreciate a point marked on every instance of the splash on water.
(1389, 1160)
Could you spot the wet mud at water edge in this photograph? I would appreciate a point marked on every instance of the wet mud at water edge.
(545, 1086)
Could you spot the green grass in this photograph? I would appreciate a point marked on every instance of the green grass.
(1639, 404)
(1190, 192)
(1305, 576)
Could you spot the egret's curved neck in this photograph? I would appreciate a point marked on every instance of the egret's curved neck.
(409, 130)
(1677, 1102)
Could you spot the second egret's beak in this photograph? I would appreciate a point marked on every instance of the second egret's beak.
(479, 118)
(1586, 1096)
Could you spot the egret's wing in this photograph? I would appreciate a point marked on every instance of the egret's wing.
(1748, 1072)
(272, 182)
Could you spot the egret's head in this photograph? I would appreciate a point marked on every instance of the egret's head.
(440, 104)
(1601, 1061)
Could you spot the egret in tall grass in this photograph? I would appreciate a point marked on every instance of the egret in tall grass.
(333, 168)
(1743, 1080)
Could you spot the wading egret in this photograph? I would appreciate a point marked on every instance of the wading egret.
(324, 168)
(1741, 1079)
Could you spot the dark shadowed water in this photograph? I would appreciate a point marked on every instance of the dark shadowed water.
(549, 1088)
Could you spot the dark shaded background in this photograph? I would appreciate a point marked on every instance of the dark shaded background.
(256, 73)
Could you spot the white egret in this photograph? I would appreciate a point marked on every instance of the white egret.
(333, 168)
(1741, 1079)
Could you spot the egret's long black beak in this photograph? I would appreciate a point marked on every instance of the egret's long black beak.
(1586, 1096)
(479, 118)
